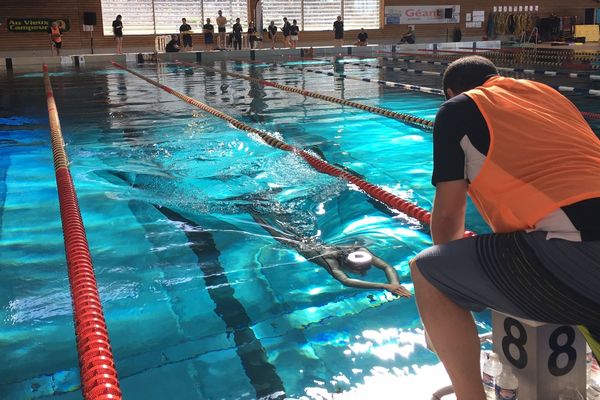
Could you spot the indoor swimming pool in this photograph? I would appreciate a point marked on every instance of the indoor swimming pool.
(200, 300)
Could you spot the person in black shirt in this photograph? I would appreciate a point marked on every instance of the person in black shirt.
(362, 38)
(409, 36)
(252, 36)
(185, 34)
(294, 30)
(173, 45)
(286, 32)
(237, 35)
(338, 29)
(272, 34)
(208, 30)
(118, 32)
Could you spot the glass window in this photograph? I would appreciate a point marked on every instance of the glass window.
(275, 10)
(319, 15)
(138, 16)
(232, 9)
(168, 14)
(361, 14)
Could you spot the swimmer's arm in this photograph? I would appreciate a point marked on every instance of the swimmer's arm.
(449, 208)
(345, 280)
(393, 285)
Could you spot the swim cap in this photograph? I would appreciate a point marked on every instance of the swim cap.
(359, 259)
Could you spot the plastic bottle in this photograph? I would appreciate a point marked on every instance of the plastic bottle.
(507, 385)
(589, 360)
(491, 369)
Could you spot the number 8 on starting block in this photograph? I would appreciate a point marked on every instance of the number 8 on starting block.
(544, 357)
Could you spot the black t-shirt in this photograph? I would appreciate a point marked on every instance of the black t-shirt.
(362, 36)
(208, 28)
(272, 29)
(460, 117)
(294, 29)
(117, 27)
(185, 28)
(338, 27)
(286, 29)
(252, 32)
(171, 47)
(237, 29)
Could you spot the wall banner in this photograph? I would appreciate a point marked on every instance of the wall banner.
(35, 24)
(395, 15)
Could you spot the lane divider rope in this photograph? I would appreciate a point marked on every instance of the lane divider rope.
(375, 192)
(569, 89)
(406, 118)
(505, 69)
(98, 374)
(412, 88)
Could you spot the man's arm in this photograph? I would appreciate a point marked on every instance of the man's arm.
(449, 208)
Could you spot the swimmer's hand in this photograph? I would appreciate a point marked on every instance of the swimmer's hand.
(397, 289)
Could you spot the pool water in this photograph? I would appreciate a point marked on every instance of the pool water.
(201, 301)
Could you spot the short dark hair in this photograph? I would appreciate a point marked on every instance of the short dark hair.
(467, 73)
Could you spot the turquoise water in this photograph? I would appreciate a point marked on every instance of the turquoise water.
(201, 302)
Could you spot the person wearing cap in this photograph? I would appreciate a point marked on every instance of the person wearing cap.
(339, 261)
(530, 163)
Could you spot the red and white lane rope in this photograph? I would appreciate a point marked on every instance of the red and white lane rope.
(96, 363)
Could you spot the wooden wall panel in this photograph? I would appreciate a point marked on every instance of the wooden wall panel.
(77, 39)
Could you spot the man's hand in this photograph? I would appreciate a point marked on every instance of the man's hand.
(397, 289)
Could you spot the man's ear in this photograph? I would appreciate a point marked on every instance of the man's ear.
(449, 93)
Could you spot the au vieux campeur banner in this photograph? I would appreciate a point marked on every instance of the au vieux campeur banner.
(35, 24)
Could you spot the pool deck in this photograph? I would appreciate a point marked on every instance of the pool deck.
(24, 60)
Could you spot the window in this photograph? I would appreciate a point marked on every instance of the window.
(361, 14)
(232, 9)
(148, 17)
(319, 15)
(168, 14)
(138, 16)
(275, 10)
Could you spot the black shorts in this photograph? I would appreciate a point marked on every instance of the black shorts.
(221, 29)
(339, 35)
(521, 274)
(208, 38)
(187, 40)
(119, 35)
(57, 45)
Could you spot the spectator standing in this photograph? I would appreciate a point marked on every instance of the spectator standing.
(185, 34)
(208, 31)
(285, 29)
(118, 33)
(294, 30)
(338, 29)
(272, 33)
(221, 23)
(55, 37)
(363, 37)
(252, 35)
(237, 35)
